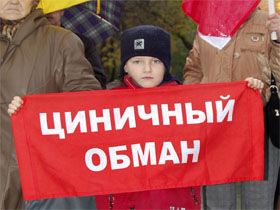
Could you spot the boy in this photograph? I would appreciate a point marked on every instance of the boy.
(145, 62)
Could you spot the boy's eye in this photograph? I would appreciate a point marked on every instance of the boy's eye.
(136, 62)
(156, 61)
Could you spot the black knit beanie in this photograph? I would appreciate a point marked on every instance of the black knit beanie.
(145, 40)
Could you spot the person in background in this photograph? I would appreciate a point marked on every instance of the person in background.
(35, 58)
(90, 51)
(264, 6)
(250, 53)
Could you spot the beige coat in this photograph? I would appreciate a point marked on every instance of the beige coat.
(250, 53)
(41, 58)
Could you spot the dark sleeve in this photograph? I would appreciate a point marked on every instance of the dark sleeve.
(94, 59)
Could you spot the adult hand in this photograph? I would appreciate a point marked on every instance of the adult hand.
(273, 24)
(15, 105)
(254, 83)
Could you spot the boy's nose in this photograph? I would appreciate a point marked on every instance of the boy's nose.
(147, 67)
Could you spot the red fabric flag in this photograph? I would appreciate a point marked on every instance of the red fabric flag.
(219, 19)
(102, 142)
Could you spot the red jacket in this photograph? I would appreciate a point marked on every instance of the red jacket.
(177, 199)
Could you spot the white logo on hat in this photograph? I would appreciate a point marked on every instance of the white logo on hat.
(139, 44)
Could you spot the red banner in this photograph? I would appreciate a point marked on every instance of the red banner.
(113, 141)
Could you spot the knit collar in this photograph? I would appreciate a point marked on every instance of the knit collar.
(33, 21)
(9, 27)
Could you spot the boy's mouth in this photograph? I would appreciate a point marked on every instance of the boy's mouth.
(147, 78)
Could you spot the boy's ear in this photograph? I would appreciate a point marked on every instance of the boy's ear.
(124, 68)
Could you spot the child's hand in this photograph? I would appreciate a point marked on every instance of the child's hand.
(254, 83)
(15, 105)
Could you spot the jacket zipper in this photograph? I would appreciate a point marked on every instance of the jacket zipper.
(194, 196)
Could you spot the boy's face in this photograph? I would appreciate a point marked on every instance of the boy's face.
(146, 71)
